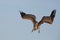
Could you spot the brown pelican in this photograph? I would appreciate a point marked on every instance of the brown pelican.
(45, 19)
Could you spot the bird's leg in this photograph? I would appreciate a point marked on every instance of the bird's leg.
(32, 30)
(33, 27)
(39, 24)
(38, 31)
(38, 28)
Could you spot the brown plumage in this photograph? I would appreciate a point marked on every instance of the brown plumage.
(45, 19)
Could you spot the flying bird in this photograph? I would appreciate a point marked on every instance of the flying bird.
(36, 25)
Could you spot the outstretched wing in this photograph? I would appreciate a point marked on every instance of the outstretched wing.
(48, 19)
(28, 16)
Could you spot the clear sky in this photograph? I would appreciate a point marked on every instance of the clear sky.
(13, 27)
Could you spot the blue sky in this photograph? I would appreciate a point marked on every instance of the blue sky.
(13, 27)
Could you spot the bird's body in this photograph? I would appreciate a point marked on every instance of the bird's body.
(45, 19)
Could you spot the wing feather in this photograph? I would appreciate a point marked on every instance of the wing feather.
(48, 19)
(28, 16)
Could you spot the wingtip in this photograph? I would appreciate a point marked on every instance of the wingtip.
(21, 13)
(53, 13)
(54, 10)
